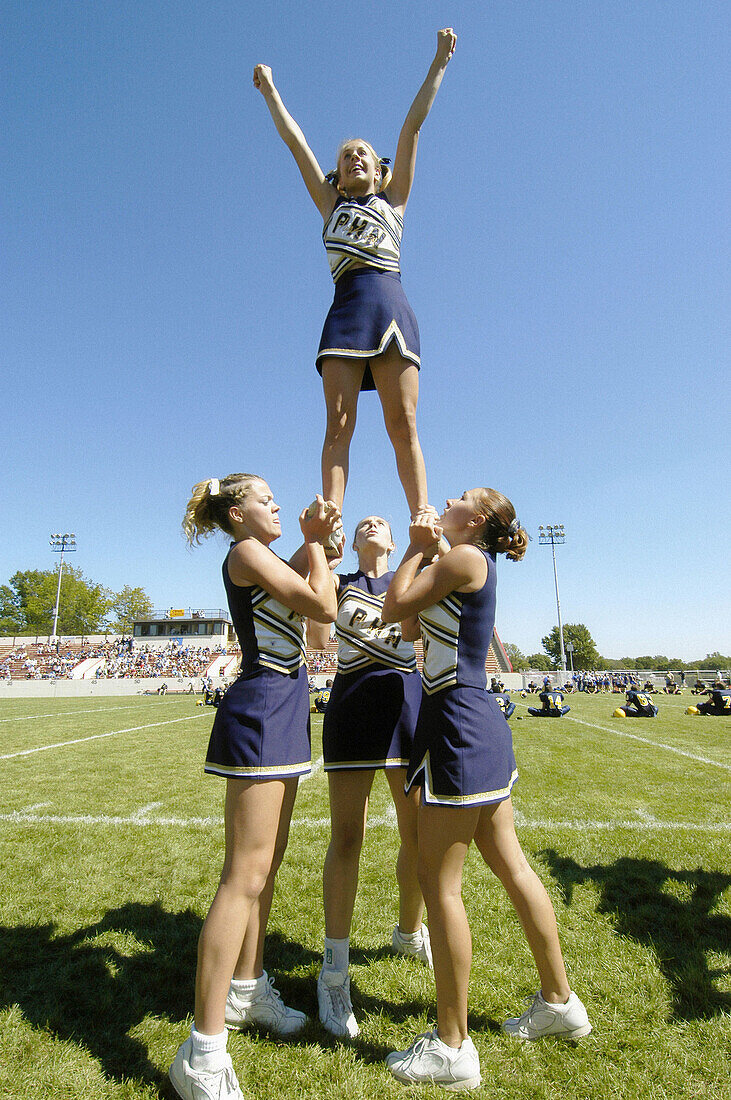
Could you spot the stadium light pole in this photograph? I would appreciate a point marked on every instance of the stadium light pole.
(60, 544)
(556, 536)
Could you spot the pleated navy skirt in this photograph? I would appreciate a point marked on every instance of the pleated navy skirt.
(369, 311)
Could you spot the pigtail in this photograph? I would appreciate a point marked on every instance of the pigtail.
(207, 509)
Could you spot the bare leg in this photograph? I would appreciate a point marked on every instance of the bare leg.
(495, 837)
(411, 899)
(349, 791)
(250, 963)
(341, 379)
(397, 382)
(253, 817)
(445, 834)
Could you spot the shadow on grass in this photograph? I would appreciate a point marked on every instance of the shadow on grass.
(81, 989)
(93, 993)
(681, 932)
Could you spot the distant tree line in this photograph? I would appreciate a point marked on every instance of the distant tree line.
(28, 599)
(587, 656)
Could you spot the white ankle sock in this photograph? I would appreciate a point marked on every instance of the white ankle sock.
(208, 1051)
(411, 937)
(337, 955)
(248, 987)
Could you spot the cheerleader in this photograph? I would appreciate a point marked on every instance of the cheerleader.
(463, 764)
(260, 744)
(368, 726)
(370, 339)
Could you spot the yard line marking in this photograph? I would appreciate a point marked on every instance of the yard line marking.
(314, 769)
(646, 741)
(63, 713)
(655, 744)
(644, 822)
(98, 736)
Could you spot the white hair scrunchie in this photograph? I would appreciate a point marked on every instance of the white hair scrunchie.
(514, 527)
(214, 487)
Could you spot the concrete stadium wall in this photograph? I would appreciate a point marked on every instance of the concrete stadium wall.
(75, 689)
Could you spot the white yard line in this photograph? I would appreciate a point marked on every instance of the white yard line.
(644, 740)
(142, 818)
(64, 713)
(98, 736)
(648, 741)
(315, 768)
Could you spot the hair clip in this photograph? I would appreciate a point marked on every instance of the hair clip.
(514, 527)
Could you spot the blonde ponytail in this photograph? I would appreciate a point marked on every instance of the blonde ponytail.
(208, 507)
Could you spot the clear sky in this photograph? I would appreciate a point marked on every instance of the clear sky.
(566, 253)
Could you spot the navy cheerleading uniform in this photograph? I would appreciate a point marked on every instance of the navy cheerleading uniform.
(463, 747)
(362, 238)
(374, 701)
(262, 727)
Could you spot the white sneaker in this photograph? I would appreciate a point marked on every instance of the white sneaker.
(199, 1084)
(429, 1060)
(336, 1007)
(265, 1009)
(421, 949)
(568, 1021)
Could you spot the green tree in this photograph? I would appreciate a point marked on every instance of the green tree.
(586, 654)
(539, 661)
(517, 659)
(713, 661)
(28, 600)
(126, 606)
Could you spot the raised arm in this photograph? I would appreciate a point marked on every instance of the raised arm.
(404, 163)
(250, 562)
(410, 591)
(322, 193)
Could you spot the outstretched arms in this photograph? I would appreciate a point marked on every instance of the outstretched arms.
(322, 193)
(404, 164)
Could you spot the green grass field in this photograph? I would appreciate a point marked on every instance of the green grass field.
(111, 843)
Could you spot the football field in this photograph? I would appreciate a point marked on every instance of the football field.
(111, 841)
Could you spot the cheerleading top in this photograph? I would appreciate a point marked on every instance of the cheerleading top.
(456, 633)
(363, 230)
(363, 639)
(270, 634)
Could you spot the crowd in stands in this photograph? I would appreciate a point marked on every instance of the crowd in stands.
(147, 661)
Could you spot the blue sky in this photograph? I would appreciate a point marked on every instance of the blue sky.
(565, 251)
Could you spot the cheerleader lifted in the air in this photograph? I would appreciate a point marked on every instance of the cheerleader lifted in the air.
(370, 339)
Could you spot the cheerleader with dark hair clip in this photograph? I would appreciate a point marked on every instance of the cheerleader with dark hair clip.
(370, 339)
(463, 764)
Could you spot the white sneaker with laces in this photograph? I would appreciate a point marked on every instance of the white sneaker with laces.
(429, 1060)
(198, 1084)
(335, 1005)
(569, 1021)
(263, 1009)
(421, 949)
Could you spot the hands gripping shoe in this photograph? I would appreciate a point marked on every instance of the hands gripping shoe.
(333, 544)
(419, 945)
(200, 1084)
(541, 1019)
(335, 1005)
(430, 1061)
(263, 1008)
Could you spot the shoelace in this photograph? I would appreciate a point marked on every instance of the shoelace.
(420, 1042)
(339, 999)
(273, 991)
(532, 1003)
